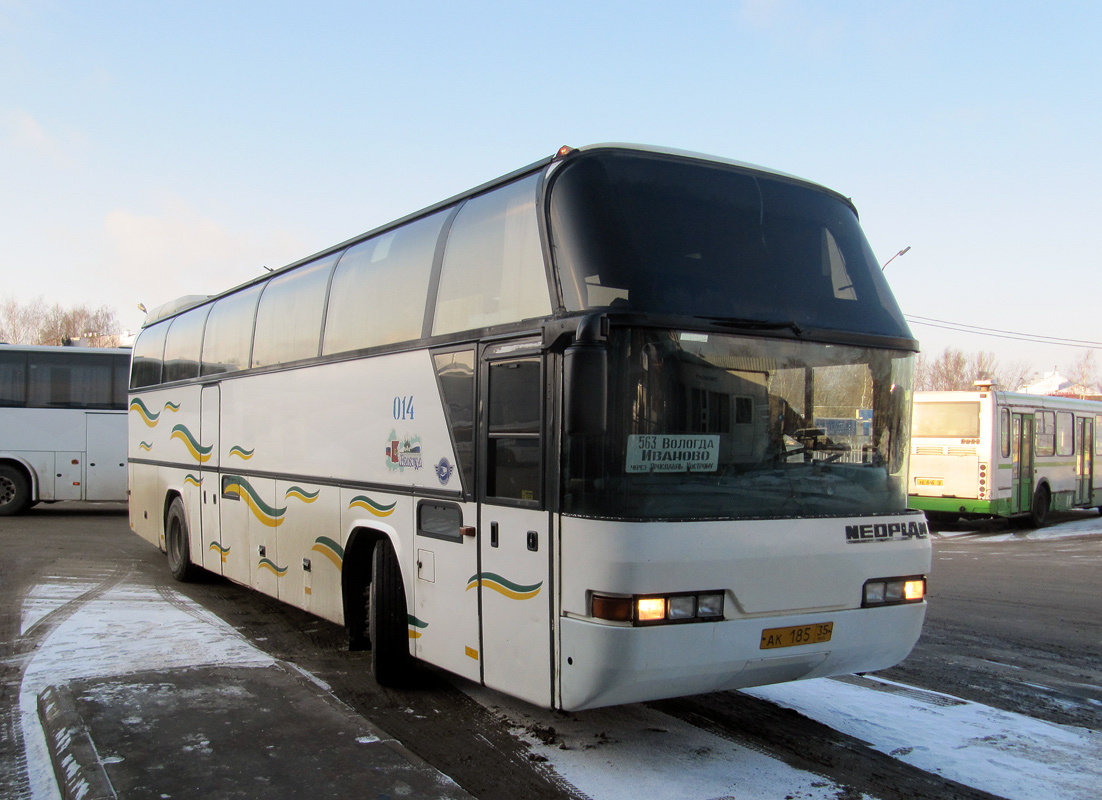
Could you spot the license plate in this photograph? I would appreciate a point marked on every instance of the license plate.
(816, 633)
(929, 482)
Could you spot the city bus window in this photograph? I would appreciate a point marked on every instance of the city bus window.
(381, 286)
(185, 338)
(60, 380)
(288, 321)
(1065, 433)
(13, 379)
(493, 269)
(1004, 431)
(149, 352)
(1045, 433)
(229, 335)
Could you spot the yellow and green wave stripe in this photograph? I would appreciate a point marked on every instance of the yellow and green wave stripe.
(268, 564)
(330, 549)
(222, 551)
(299, 493)
(193, 480)
(198, 452)
(376, 508)
(150, 418)
(147, 446)
(241, 452)
(504, 586)
(417, 624)
(236, 485)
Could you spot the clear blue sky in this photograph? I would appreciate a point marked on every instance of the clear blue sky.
(154, 149)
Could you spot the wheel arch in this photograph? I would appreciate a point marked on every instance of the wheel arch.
(29, 472)
(356, 574)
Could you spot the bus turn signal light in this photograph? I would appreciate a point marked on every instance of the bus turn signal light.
(893, 591)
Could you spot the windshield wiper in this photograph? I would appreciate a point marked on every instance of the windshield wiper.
(755, 325)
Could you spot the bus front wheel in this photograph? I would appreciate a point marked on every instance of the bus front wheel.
(1038, 512)
(15, 491)
(178, 544)
(388, 625)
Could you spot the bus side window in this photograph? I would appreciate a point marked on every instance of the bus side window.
(1098, 435)
(1045, 432)
(1004, 431)
(149, 351)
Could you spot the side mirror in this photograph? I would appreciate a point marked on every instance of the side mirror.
(585, 378)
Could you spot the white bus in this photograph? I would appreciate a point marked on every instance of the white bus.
(994, 453)
(558, 435)
(62, 425)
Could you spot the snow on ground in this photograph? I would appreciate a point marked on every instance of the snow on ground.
(127, 629)
(1006, 754)
(1071, 525)
(609, 753)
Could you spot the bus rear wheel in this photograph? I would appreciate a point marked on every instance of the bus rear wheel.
(1038, 512)
(15, 491)
(388, 625)
(178, 544)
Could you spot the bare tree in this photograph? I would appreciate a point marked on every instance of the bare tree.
(34, 323)
(1084, 372)
(956, 371)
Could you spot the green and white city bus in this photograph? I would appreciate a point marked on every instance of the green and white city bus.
(1004, 454)
(624, 424)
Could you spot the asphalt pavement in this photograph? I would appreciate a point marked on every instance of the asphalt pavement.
(223, 732)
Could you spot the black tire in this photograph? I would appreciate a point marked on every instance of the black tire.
(178, 544)
(942, 517)
(388, 624)
(15, 491)
(1038, 512)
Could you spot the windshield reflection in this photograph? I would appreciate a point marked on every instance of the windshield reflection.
(718, 426)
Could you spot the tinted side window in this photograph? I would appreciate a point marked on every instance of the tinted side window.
(288, 322)
(149, 350)
(185, 338)
(455, 375)
(13, 379)
(61, 380)
(229, 335)
(493, 269)
(513, 456)
(381, 286)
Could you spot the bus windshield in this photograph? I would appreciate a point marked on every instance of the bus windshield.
(658, 234)
(727, 427)
(946, 420)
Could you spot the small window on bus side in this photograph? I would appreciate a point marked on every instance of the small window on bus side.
(381, 286)
(493, 270)
(455, 376)
(1045, 432)
(1065, 433)
(149, 351)
(1098, 435)
(439, 520)
(13, 379)
(229, 336)
(185, 338)
(513, 450)
(1004, 432)
(288, 322)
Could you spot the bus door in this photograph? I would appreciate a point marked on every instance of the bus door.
(514, 573)
(1021, 456)
(208, 529)
(106, 475)
(1084, 440)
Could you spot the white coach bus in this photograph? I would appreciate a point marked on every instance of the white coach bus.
(62, 425)
(993, 453)
(558, 435)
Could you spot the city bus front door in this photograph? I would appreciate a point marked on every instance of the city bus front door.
(1021, 457)
(515, 547)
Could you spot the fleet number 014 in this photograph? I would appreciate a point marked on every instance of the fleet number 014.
(816, 633)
